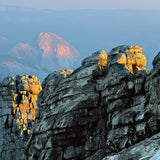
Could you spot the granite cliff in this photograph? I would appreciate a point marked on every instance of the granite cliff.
(107, 109)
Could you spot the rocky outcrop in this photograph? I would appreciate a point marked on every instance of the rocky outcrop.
(144, 150)
(99, 110)
(18, 96)
(106, 109)
(131, 57)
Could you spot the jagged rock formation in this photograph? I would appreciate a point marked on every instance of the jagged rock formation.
(131, 57)
(97, 111)
(102, 59)
(147, 149)
(105, 109)
(18, 97)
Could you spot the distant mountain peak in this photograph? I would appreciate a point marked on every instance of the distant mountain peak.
(51, 44)
(4, 41)
(41, 56)
(21, 50)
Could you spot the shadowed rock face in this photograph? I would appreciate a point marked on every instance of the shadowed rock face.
(18, 96)
(147, 149)
(100, 109)
(97, 112)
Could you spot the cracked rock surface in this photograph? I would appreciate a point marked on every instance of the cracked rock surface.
(97, 112)
(107, 109)
(18, 96)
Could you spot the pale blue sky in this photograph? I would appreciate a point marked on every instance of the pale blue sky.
(84, 4)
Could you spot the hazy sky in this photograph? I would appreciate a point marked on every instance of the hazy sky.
(84, 4)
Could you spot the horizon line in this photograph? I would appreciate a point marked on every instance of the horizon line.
(82, 9)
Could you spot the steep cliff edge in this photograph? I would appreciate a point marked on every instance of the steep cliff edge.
(106, 109)
(18, 96)
(108, 104)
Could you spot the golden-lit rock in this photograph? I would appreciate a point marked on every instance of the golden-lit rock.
(143, 68)
(131, 57)
(24, 100)
(65, 72)
(122, 59)
(34, 89)
(102, 59)
(28, 131)
(15, 105)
